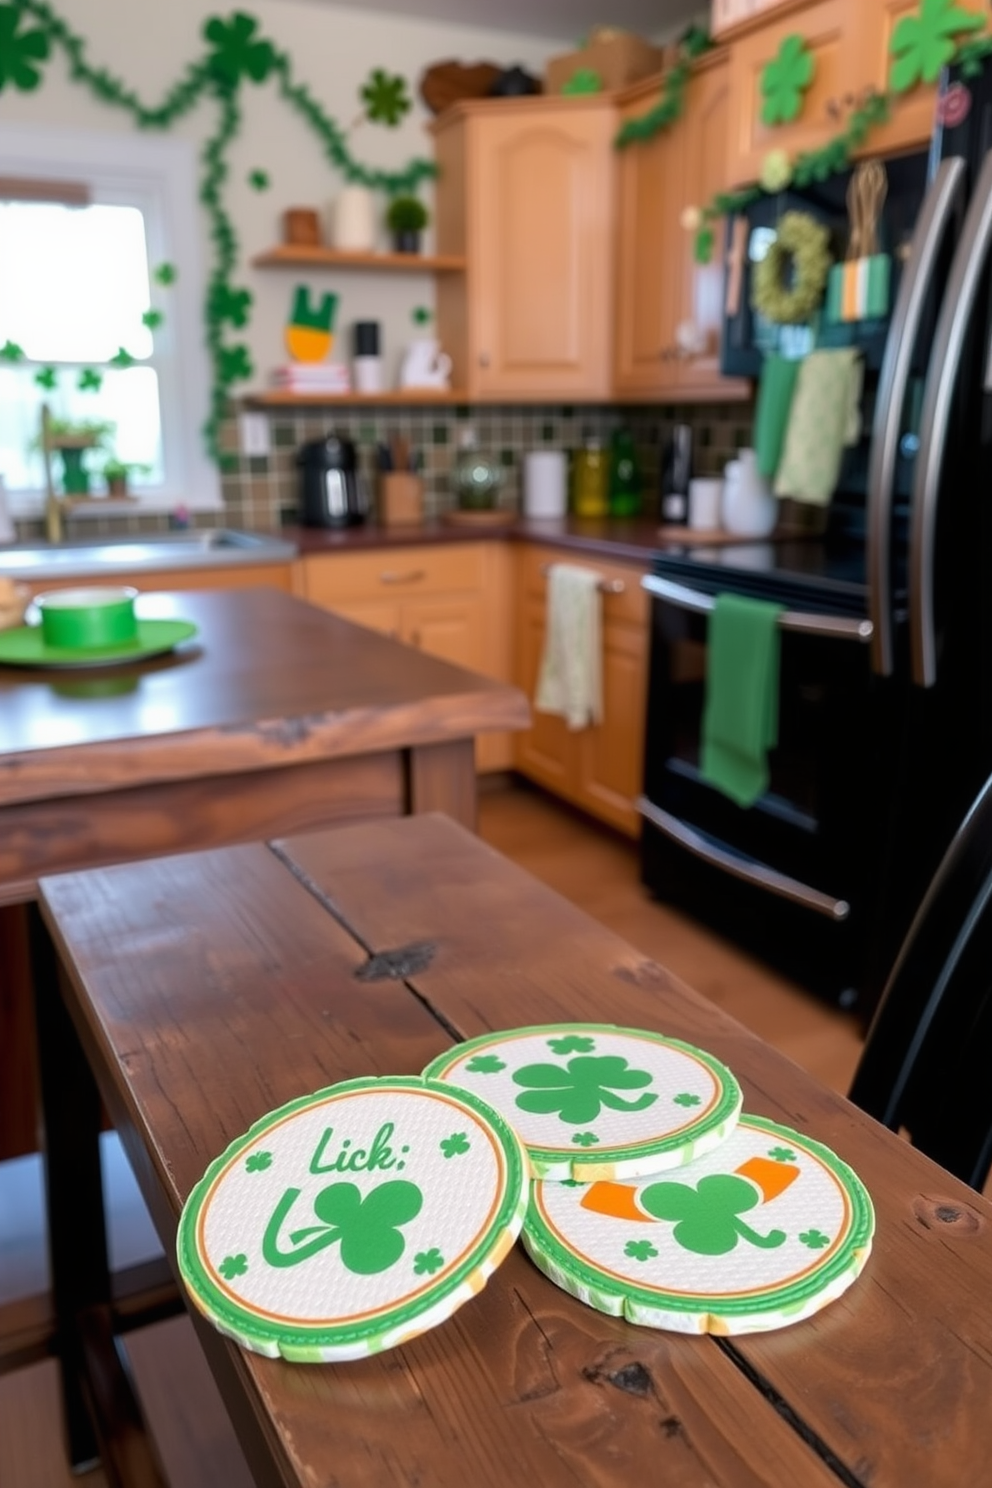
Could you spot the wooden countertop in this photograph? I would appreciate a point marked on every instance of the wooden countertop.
(268, 680)
(633, 540)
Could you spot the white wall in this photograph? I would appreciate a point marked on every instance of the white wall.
(333, 49)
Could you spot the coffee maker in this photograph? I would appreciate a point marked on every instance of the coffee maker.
(331, 490)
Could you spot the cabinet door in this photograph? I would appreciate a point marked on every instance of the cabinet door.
(611, 763)
(650, 194)
(450, 629)
(542, 214)
(547, 752)
(830, 31)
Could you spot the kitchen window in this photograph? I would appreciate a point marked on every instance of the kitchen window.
(76, 279)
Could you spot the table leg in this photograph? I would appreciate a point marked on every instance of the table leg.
(77, 1238)
(442, 778)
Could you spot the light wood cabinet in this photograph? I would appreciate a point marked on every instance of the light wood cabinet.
(599, 768)
(450, 600)
(660, 286)
(525, 193)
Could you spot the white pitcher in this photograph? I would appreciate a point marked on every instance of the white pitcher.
(749, 508)
(425, 365)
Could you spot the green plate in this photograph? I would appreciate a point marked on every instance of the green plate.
(26, 647)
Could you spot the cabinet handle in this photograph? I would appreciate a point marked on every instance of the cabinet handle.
(413, 577)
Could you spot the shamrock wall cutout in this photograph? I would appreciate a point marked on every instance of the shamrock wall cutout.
(230, 305)
(47, 378)
(385, 97)
(20, 51)
(579, 1090)
(258, 180)
(368, 1229)
(785, 80)
(708, 1216)
(234, 364)
(923, 44)
(152, 319)
(90, 380)
(237, 51)
(165, 274)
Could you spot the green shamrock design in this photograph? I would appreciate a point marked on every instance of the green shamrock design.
(815, 1239)
(426, 1262)
(152, 319)
(781, 1154)
(385, 97)
(578, 1091)
(48, 378)
(572, 1043)
(90, 380)
(785, 80)
(234, 364)
(19, 54)
(707, 1216)
(924, 43)
(232, 1266)
(421, 315)
(455, 1145)
(685, 1099)
(229, 304)
(640, 1250)
(11, 352)
(237, 51)
(165, 274)
(258, 1162)
(123, 358)
(571, 1183)
(583, 80)
(586, 1139)
(258, 180)
(485, 1064)
(369, 1228)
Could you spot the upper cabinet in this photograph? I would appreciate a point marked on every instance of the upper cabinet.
(526, 193)
(669, 308)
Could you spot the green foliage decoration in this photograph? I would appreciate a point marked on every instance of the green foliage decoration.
(924, 43)
(583, 80)
(671, 105)
(386, 98)
(784, 80)
(790, 280)
(406, 214)
(236, 53)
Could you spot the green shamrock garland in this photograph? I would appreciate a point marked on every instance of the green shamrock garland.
(20, 51)
(785, 80)
(671, 106)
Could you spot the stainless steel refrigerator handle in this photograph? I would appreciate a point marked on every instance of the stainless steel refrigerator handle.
(942, 211)
(745, 868)
(945, 360)
(834, 627)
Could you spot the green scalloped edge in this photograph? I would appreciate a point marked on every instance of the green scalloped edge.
(682, 1314)
(323, 1344)
(635, 1160)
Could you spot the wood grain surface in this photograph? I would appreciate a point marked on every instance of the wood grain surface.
(210, 988)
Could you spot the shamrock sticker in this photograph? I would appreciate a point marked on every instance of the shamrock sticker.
(123, 358)
(20, 52)
(707, 1217)
(785, 80)
(165, 274)
(687, 1099)
(232, 1266)
(455, 1145)
(90, 380)
(578, 1091)
(237, 51)
(640, 1250)
(368, 1229)
(47, 378)
(485, 1064)
(782, 1154)
(571, 1044)
(924, 43)
(426, 1262)
(385, 97)
(234, 364)
(586, 1139)
(152, 319)
(11, 352)
(230, 305)
(421, 315)
(815, 1239)
(258, 180)
(258, 1162)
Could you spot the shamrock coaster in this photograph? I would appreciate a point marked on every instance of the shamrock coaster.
(351, 1220)
(762, 1233)
(590, 1100)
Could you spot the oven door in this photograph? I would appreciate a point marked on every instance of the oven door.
(794, 875)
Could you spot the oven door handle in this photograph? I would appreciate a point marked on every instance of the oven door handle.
(745, 868)
(834, 627)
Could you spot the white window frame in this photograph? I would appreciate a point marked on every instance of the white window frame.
(158, 176)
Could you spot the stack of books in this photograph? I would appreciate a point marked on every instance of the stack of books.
(329, 378)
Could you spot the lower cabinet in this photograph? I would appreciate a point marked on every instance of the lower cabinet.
(598, 768)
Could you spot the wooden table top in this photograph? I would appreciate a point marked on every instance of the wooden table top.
(268, 679)
(210, 988)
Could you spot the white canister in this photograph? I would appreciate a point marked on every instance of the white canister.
(705, 500)
(545, 483)
(749, 508)
(353, 227)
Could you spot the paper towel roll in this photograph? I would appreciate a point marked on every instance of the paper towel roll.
(545, 483)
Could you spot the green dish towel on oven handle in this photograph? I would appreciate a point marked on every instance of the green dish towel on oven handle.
(740, 717)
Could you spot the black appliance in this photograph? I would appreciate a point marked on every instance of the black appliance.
(674, 475)
(332, 493)
(886, 684)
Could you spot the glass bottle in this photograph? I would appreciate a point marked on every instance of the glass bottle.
(625, 476)
(590, 481)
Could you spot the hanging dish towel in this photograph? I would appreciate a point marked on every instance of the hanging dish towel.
(740, 718)
(570, 682)
(825, 417)
(776, 390)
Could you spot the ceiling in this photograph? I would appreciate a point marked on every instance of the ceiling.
(560, 19)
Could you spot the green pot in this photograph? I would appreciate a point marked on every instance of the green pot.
(75, 476)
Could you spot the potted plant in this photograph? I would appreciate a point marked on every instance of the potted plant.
(71, 438)
(116, 473)
(406, 218)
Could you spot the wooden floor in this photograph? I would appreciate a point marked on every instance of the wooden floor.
(597, 871)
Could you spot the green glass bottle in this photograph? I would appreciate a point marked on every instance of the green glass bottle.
(626, 487)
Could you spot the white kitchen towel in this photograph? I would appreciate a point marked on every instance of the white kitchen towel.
(570, 682)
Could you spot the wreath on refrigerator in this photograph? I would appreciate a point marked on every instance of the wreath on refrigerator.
(790, 280)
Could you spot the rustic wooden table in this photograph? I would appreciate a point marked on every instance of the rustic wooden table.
(201, 991)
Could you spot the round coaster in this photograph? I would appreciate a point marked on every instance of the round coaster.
(762, 1233)
(354, 1219)
(26, 647)
(590, 1100)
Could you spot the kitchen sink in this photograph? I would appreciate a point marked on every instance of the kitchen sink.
(207, 548)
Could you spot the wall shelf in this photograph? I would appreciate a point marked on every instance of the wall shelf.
(300, 256)
(283, 398)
